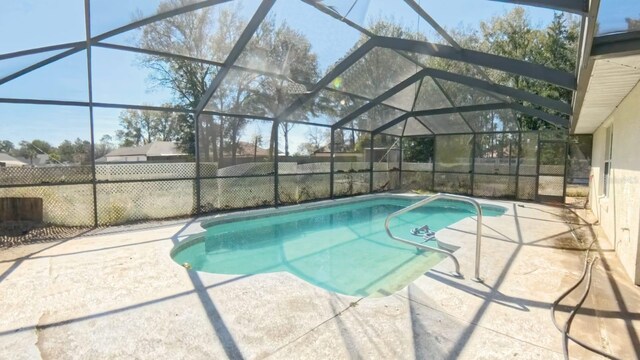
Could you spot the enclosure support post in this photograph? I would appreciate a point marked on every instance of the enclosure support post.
(566, 165)
(518, 162)
(473, 161)
(371, 163)
(331, 162)
(537, 167)
(400, 164)
(276, 199)
(87, 24)
(433, 164)
(196, 145)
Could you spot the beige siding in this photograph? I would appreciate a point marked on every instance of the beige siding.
(619, 213)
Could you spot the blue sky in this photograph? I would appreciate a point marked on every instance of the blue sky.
(117, 76)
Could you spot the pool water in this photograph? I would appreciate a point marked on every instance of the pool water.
(341, 248)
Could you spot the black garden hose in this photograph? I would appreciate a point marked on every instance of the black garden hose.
(586, 272)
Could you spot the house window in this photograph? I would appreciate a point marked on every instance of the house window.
(607, 160)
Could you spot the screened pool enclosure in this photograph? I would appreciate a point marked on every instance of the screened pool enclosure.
(114, 112)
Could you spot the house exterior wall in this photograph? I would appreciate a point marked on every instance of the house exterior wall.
(619, 212)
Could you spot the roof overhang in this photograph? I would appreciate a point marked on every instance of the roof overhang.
(608, 69)
(611, 80)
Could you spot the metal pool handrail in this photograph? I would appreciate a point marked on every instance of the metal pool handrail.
(422, 246)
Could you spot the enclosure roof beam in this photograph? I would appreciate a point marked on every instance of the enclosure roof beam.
(77, 44)
(552, 119)
(450, 101)
(573, 6)
(615, 45)
(514, 66)
(347, 62)
(157, 17)
(472, 82)
(434, 24)
(542, 115)
(82, 45)
(235, 52)
(413, 108)
(42, 63)
(464, 80)
(334, 14)
(441, 111)
(277, 75)
(382, 97)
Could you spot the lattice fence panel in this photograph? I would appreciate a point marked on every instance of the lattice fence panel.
(494, 186)
(129, 202)
(27, 175)
(527, 187)
(453, 153)
(208, 169)
(417, 180)
(345, 184)
(308, 168)
(351, 166)
(236, 193)
(145, 171)
(65, 205)
(528, 154)
(551, 185)
(552, 170)
(504, 166)
(453, 183)
(247, 169)
(414, 166)
(496, 153)
(294, 189)
(386, 181)
(383, 166)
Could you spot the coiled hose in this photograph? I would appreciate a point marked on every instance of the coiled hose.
(586, 272)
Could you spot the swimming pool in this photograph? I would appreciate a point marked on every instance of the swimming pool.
(340, 246)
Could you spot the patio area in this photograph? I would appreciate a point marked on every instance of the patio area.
(127, 127)
(116, 293)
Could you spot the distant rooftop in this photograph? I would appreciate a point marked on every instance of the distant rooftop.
(157, 148)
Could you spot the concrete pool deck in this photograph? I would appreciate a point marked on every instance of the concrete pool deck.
(116, 293)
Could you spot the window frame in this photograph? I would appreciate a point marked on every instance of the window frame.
(608, 151)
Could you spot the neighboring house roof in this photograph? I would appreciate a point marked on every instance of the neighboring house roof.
(247, 149)
(38, 160)
(157, 148)
(9, 160)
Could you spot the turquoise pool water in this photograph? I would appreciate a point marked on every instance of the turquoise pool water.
(341, 248)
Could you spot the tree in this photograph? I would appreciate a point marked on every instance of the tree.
(188, 33)
(30, 149)
(27, 151)
(377, 71)
(77, 152)
(41, 146)
(82, 151)
(210, 34)
(66, 152)
(256, 139)
(6, 146)
(288, 52)
(140, 127)
(419, 149)
(104, 147)
(633, 24)
(512, 35)
(317, 137)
